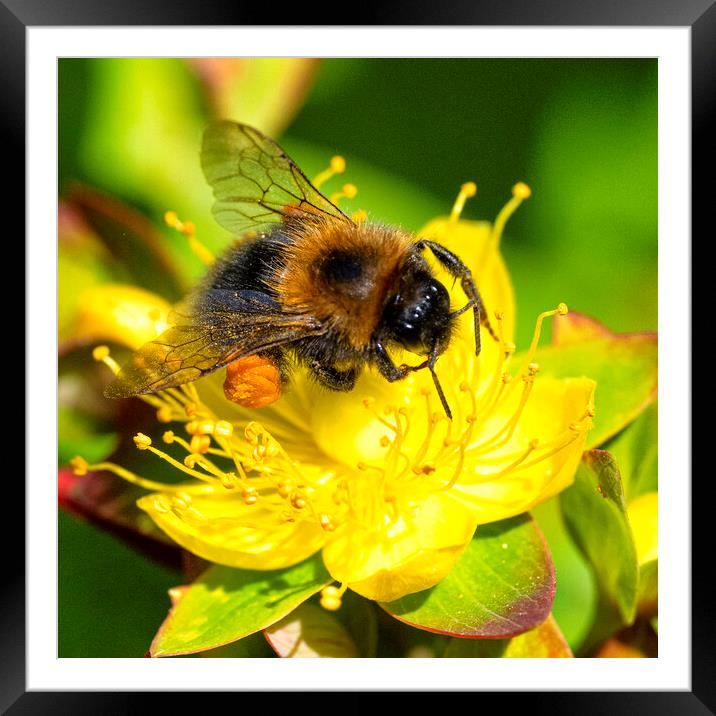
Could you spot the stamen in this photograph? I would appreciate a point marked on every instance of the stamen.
(562, 310)
(520, 192)
(331, 597)
(337, 166)
(149, 484)
(349, 191)
(360, 216)
(467, 190)
(101, 355)
(188, 229)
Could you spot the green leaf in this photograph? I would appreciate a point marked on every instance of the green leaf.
(502, 585)
(595, 513)
(624, 368)
(226, 604)
(358, 616)
(648, 594)
(311, 632)
(636, 450)
(575, 600)
(544, 641)
(253, 646)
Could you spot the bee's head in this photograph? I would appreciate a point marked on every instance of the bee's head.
(418, 316)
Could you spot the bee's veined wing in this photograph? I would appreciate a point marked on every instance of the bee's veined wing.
(212, 328)
(255, 183)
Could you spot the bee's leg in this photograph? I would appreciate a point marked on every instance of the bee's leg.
(332, 378)
(455, 267)
(388, 369)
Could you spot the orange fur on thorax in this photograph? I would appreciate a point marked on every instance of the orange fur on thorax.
(300, 286)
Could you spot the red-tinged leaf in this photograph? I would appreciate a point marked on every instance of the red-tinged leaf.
(503, 585)
(264, 92)
(134, 242)
(624, 368)
(224, 605)
(615, 649)
(543, 642)
(576, 327)
(311, 632)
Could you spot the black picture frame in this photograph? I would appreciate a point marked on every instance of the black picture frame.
(699, 15)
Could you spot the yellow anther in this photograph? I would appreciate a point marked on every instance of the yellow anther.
(348, 191)
(168, 437)
(190, 461)
(326, 522)
(467, 191)
(223, 428)
(521, 191)
(298, 500)
(142, 441)
(384, 441)
(368, 402)
(188, 229)
(534, 444)
(253, 431)
(470, 419)
(205, 427)
(427, 469)
(285, 488)
(227, 480)
(192, 427)
(200, 444)
(79, 465)
(359, 216)
(331, 598)
(250, 495)
(533, 368)
(509, 347)
(164, 414)
(190, 410)
(362, 466)
(562, 309)
(591, 412)
(100, 353)
(464, 387)
(506, 378)
(337, 166)
(499, 315)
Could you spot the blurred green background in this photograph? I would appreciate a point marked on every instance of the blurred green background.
(582, 133)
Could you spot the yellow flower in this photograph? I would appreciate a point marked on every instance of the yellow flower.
(378, 478)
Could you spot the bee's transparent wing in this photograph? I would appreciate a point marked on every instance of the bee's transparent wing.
(211, 329)
(255, 184)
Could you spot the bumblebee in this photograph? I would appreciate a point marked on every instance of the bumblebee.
(306, 284)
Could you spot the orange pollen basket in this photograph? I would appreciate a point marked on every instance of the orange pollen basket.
(252, 382)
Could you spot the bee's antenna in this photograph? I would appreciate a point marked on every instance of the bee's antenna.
(438, 387)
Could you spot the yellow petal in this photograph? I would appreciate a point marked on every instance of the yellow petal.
(121, 314)
(412, 553)
(494, 486)
(472, 241)
(227, 531)
(644, 518)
